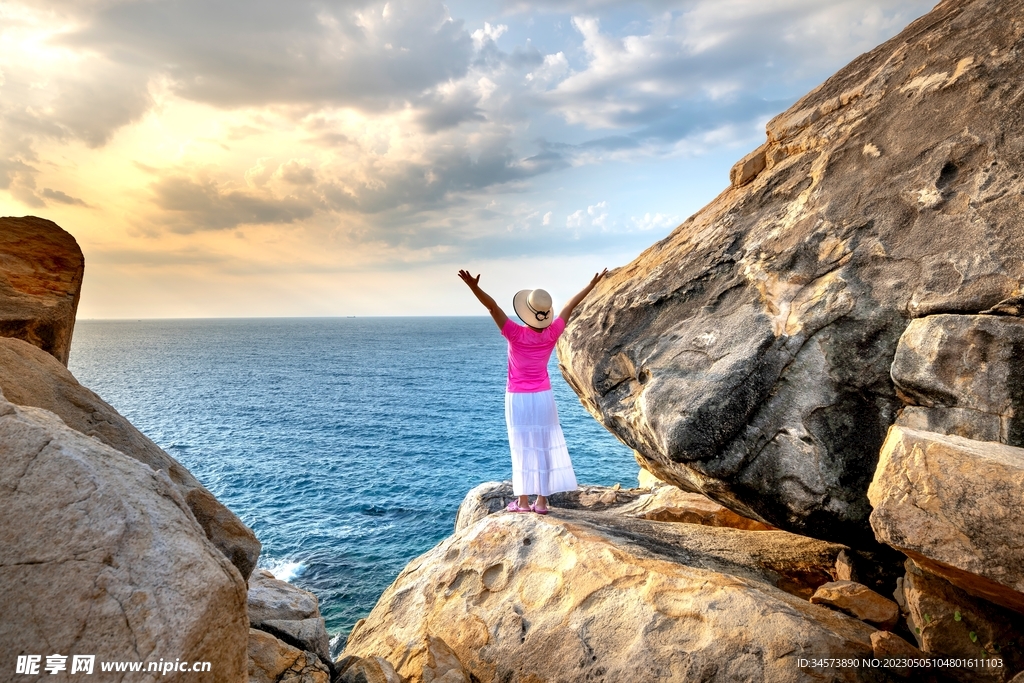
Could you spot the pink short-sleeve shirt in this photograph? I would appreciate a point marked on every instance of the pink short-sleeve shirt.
(528, 354)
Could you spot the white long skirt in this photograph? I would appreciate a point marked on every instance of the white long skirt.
(540, 459)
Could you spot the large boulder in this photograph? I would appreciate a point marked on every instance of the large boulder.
(582, 596)
(30, 377)
(99, 554)
(274, 661)
(963, 375)
(949, 622)
(747, 355)
(287, 612)
(41, 270)
(954, 505)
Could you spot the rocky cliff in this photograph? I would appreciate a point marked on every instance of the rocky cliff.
(40, 283)
(747, 355)
(833, 347)
(108, 546)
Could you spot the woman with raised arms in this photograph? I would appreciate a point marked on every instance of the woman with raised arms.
(540, 459)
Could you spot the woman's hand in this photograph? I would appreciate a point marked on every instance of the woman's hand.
(597, 278)
(483, 297)
(472, 282)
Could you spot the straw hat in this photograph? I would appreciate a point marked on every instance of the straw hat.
(533, 306)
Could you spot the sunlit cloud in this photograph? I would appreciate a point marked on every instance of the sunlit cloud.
(341, 135)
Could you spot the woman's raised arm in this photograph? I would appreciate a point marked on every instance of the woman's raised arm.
(489, 303)
(575, 301)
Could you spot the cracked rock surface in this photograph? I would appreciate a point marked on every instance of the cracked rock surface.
(588, 594)
(41, 271)
(746, 356)
(99, 554)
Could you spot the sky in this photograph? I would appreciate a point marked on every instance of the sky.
(248, 158)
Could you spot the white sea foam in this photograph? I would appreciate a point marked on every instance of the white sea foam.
(285, 570)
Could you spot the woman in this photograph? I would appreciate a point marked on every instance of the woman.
(540, 460)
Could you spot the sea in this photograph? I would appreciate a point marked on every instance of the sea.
(346, 444)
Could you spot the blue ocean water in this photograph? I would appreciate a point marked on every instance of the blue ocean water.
(346, 444)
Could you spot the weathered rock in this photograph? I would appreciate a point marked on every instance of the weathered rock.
(670, 504)
(747, 355)
(288, 613)
(970, 424)
(949, 622)
(493, 496)
(954, 505)
(858, 601)
(272, 599)
(646, 480)
(41, 270)
(967, 372)
(845, 570)
(305, 634)
(889, 646)
(582, 596)
(29, 377)
(100, 554)
(367, 670)
(274, 661)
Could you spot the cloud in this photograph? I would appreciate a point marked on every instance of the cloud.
(716, 56)
(192, 205)
(651, 221)
(364, 54)
(395, 123)
(61, 197)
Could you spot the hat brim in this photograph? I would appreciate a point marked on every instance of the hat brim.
(522, 308)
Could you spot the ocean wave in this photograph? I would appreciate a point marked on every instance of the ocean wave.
(285, 570)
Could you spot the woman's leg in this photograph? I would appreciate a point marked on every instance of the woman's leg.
(542, 503)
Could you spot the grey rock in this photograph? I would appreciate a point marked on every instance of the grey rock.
(272, 599)
(31, 377)
(967, 372)
(747, 355)
(99, 554)
(970, 424)
(306, 634)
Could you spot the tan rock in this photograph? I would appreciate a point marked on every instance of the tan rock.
(41, 270)
(954, 505)
(963, 372)
(858, 601)
(670, 504)
(306, 634)
(369, 670)
(100, 554)
(491, 497)
(532, 598)
(646, 480)
(844, 567)
(889, 646)
(274, 661)
(443, 665)
(752, 346)
(952, 623)
(29, 377)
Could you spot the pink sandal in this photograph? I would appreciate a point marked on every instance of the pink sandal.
(539, 511)
(514, 507)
